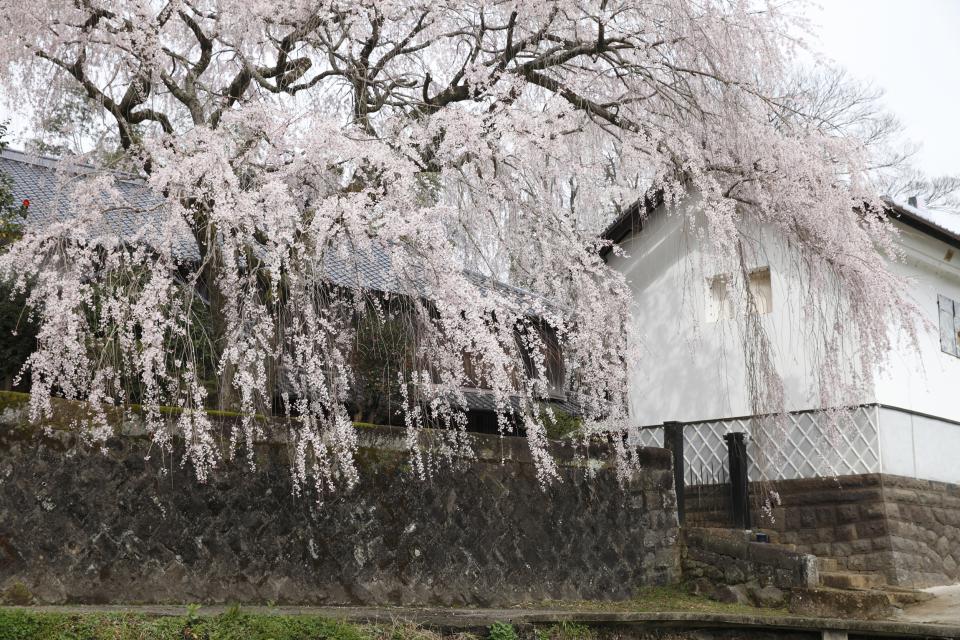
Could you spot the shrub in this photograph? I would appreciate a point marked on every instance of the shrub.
(562, 425)
(502, 631)
(17, 594)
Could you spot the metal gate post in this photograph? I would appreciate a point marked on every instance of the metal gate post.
(673, 441)
(739, 480)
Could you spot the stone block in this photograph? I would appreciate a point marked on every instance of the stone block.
(832, 603)
(768, 596)
(826, 515)
(950, 564)
(904, 545)
(731, 594)
(700, 587)
(848, 513)
(929, 498)
(734, 573)
(900, 495)
(793, 519)
(872, 529)
(871, 511)
(861, 546)
(845, 533)
(825, 534)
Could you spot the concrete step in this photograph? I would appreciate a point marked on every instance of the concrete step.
(851, 580)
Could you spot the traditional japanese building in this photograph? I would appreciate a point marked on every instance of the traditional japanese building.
(881, 493)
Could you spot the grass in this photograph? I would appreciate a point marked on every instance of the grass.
(237, 624)
(22, 624)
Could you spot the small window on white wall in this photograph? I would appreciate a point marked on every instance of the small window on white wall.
(719, 305)
(761, 290)
(949, 325)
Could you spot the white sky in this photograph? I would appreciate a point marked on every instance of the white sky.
(911, 49)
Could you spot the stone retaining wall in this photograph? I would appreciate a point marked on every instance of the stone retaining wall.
(724, 558)
(120, 528)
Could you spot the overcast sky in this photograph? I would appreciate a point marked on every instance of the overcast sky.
(910, 48)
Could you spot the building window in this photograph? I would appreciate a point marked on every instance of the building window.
(761, 290)
(949, 325)
(544, 339)
(718, 306)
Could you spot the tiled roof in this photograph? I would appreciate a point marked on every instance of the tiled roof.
(132, 213)
(138, 215)
(482, 400)
(943, 225)
(939, 224)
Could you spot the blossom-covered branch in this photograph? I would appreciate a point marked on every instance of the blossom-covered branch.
(466, 141)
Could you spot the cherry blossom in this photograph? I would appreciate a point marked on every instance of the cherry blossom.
(469, 142)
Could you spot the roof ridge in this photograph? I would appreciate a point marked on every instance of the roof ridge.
(66, 164)
(43, 160)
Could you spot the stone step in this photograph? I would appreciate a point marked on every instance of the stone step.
(840, 603)
(850, 580)
(904, 597)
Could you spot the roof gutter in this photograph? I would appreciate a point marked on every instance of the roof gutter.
(921, 224)
(631, 220)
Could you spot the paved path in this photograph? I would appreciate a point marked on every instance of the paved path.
(479, 618)
(943, 609)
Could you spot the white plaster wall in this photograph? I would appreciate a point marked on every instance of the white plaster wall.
(919, 446)
(686, 367)
(897, 455)
(689, 369)
(928, 380)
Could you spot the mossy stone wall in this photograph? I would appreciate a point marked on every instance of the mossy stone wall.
(132, 525)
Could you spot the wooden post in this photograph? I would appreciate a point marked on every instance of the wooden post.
(739, 479)
(673, 441)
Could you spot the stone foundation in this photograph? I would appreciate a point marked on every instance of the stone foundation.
(906, 529)
(841, 518)
(120, 528)
(923, 520)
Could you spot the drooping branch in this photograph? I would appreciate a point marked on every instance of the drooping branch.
(447, 136)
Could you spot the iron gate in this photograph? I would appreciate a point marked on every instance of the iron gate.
(717, 495)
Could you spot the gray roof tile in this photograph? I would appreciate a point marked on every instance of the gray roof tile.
(140, 215)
